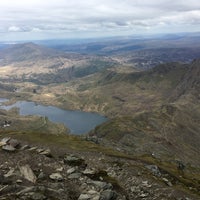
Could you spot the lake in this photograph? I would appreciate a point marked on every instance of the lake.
(77, 121)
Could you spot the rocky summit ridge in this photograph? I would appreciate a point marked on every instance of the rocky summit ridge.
(32, 172)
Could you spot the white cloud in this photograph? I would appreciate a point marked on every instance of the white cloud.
(14, 29)
(104, 16)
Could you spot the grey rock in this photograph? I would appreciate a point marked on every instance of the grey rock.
(145, 184)
(8, 148)
(94, 194)
(46, 152)
(27, 173)
(41, 175)
(180, 166)
(26, 190)
(143, 195)
(33, 149)
(101, 185)
(56, 177)
(10, 173)
(92, 139)
(71, 170)
(73, 160)
(74, 176)
(84, 197)
(90, 195)
(154, 169)
(89, 172)
(14, 143)
(19, 181)
(2, 144)
(60, 169)
(167, 182)
(24, 147)
(39, 150)
(108, 195)
(135, 189)
(5, 140)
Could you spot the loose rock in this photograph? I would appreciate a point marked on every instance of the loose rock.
(28, 174)
(46, 152)
(154, 169)
(108, 195)
(8, 148)
(71, 170)
(56, 177)
(14, 143)
(73, 160)
(74, 176)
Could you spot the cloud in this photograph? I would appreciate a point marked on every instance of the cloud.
(92, 16)
(14, 29)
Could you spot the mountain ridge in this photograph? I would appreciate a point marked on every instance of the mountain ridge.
(27, 51)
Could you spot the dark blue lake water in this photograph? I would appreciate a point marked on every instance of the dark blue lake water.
(77, 121)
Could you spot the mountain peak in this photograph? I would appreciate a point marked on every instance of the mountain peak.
(26, 51)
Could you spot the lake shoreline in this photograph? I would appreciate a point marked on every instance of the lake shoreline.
(79, 122)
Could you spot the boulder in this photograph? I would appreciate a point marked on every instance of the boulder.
(56, 177)
(26, 146)
(5, 140)
(8, 148)
(71, 170)
(19, 181)
(26, 190)
(10, 173)
(74, 176)
(33, 149)
(154, 169)
(46, 152)
(108, 195)
(60, 169)
(101, 185)
(90, 195)
(14, 143)
(89, 172)
(167, 182)
(2, 144)
(41, 175)
(143, 195)
(27, 173)
(84, 197)
(73, 160)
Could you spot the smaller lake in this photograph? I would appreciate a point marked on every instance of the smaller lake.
(77, 121)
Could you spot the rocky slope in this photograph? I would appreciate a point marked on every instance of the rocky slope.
(170, 133)
(35, 172)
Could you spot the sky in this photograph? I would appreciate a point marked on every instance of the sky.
(60, 19)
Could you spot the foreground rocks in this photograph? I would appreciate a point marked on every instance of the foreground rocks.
(36, 173)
